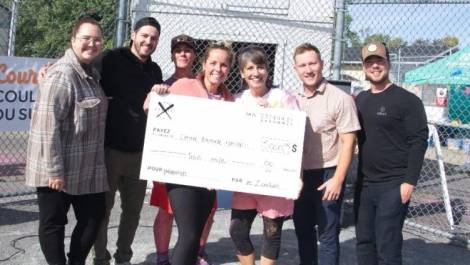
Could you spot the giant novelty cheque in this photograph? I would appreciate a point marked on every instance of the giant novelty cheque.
(223, 145)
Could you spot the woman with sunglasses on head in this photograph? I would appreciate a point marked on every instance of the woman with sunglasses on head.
(259, 91)
(194, 207)
(65, 158)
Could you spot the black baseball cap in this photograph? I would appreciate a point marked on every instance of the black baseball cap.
(147, 21)
(183, 39)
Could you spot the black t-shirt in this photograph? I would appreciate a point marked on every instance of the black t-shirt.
(126, 81)
(393, 138)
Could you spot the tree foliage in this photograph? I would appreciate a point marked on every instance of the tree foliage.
(447, 41)
(354, 38)
(44, 26)
(450, 41)
(392, 42)
(351, 36)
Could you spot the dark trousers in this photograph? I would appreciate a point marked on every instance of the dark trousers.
(311, 210)
(53, 205)
(123, 175)
(379, 221)
(191, 207)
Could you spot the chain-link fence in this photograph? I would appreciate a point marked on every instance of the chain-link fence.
(430, 53)
(442, 197)
(4, 28)
(427, 41)
(12, 163)
(38, 25)
(276, 25)
(12, 144)
(43, 28)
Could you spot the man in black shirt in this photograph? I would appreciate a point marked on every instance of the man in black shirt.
(392, 144)
(128, 74)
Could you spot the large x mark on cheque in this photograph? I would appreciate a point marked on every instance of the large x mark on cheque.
(223, 145)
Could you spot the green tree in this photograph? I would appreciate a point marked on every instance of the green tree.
(421, 43)
(450, 41)
(392, 42)
(44, 26)
(377, 37)
(351, 36)
(4, 26)
(396, 42)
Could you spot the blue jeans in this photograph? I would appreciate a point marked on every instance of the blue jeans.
(380, 215)
(311, 210)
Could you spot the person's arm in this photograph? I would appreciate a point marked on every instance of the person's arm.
(52, 107)
(347, 124)
(332, 187)
(43, 71)
(105, 64)
(98, 61)
(160, 89)
(158, 75)
(158, 86)
(417, 135)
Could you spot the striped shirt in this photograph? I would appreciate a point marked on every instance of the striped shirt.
(66, 137)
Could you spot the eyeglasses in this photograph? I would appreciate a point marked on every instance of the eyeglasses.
(90, 39)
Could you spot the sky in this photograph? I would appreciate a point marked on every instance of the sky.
(413, 21)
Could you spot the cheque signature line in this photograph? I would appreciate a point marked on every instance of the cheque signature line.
(168, 152)
(242, 163)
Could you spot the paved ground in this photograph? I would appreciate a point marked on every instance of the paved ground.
(18, 234)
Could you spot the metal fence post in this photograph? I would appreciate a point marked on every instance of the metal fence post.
(337, 51)
(121, 23)
(11, 33)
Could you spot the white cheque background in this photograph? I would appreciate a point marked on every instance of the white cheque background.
(223, 145)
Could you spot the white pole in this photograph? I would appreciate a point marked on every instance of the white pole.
(399, 65)
(11, 34)
(440, 161)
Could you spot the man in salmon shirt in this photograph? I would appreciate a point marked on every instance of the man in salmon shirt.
(330, 138)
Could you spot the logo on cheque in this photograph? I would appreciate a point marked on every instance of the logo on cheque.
(164, 109)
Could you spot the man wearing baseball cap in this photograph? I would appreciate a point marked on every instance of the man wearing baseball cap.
(128, 74)
(392, 144)
(182, 39)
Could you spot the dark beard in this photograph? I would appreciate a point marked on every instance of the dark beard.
(137, 49)
(383, 80)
